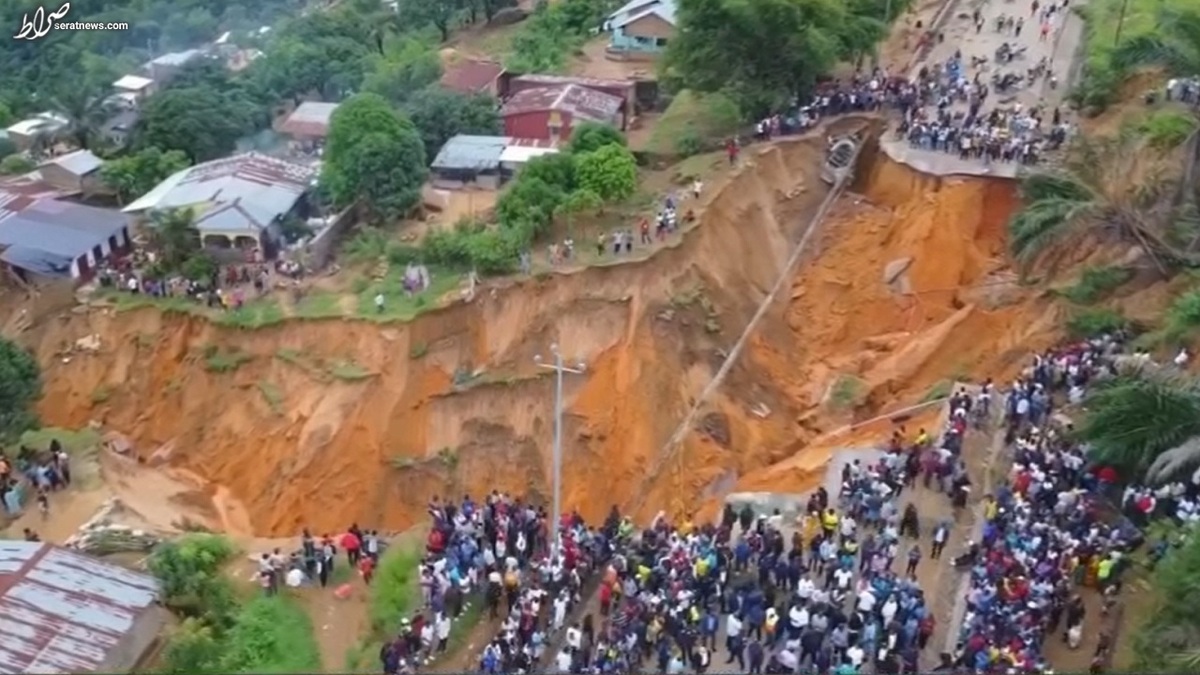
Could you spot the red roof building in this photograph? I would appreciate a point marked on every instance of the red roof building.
(472, 76)
(550, 113)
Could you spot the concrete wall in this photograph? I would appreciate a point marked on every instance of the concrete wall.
(129, 651)
(321, 248)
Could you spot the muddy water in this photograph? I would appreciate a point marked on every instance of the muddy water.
(374, 451)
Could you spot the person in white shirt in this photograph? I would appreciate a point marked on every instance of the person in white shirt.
(560, 610)
(574, 637)
(856, 655)
(295, 577)
(443, 631)
(866, 601)
(563, 661)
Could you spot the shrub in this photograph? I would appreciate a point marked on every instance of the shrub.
(1183, 316)
(610, 172)
(1096, 283)
(271, 635)
(591, 136)
(394, 589)
(1093, 322)
(189, 571)
(20, 386)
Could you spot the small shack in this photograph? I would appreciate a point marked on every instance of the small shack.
(76, 172)
(484, 161)
(309, 122)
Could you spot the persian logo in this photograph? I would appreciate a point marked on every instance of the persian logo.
(42, 22)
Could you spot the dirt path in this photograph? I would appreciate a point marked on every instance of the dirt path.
(338, 624)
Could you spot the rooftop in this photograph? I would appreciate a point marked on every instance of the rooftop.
(79, 162)
(133, 83)
(634, 11)
(263, 186)
(576, 99)
(311, 118)
(62, 612)
(471, 153)
(46, 120)
(593, 82)
(174, 59)
(470, 76)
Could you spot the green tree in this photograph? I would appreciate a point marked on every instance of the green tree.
(610, 172)
(765, 51)
(202, 122)
(136, 174)
(1168, 638)
(438, 13)
(1104, 188)
(189, 570)
(528, 207)
(1174, 44)
(193, 648)
(579, 202)
(16, 164)
(175, 236)
(20, 387)
(6, 115)
(441, 114)
(591, 136)
(374, 155)
(408, 65)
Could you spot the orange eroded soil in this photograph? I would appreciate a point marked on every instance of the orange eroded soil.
(374, 450)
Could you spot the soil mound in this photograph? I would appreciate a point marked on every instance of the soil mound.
(323, 423)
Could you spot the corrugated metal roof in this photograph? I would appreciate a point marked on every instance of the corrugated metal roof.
(79, 163)
(265, 186)
(470, 75)
(176, 58)
(61, 228)
(471, 153)
(663, 10)
(310, 119)
(580, 101)
(62, 612)
(519, 154)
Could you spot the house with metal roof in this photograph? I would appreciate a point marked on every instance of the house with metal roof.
(471, 76)
(642, 27)
(42, 239)
(75, 172)
(165, 67)
(65, 612)
(237, 202)
(485, 161)
(551, 112)
(309, 122)
(24, 134)
(136, 85)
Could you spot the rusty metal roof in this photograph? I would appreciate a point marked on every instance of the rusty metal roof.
(592, 105)
(63, 612)
(470, 76)
(311, 118)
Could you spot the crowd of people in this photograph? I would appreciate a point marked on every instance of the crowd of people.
(35, 472)
(1044, 533)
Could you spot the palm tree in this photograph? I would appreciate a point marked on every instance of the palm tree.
(1145, 421)
(85, 109)
(175, 236)
(1107, 187)
(1174, 44)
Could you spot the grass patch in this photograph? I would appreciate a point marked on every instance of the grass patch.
(418, 350)
(101, 394)
(319, 306)
(847, 392)
(1096, 283)
(694, 123)
(75, 442)
(295, 357)
(271, 635)
(1167, 129)
(394, 591)
(398, 304)
(272, 396)
(348, 370)
(940, 390)
(1092, 322)
(1183, 316)
(257, 313)
(217, 360)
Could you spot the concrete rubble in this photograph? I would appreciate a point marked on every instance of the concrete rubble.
(100, 535)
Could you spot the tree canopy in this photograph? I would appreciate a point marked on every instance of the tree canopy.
(137, 173)
(441, 114)
(373, 154)
(20, 387)
(766, 52)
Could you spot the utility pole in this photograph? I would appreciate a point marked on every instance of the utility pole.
(558, 368)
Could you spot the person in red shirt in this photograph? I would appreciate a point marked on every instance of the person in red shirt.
(353, 546)
(366, 567)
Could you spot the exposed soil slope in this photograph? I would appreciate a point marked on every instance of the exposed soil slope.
(454, 401)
